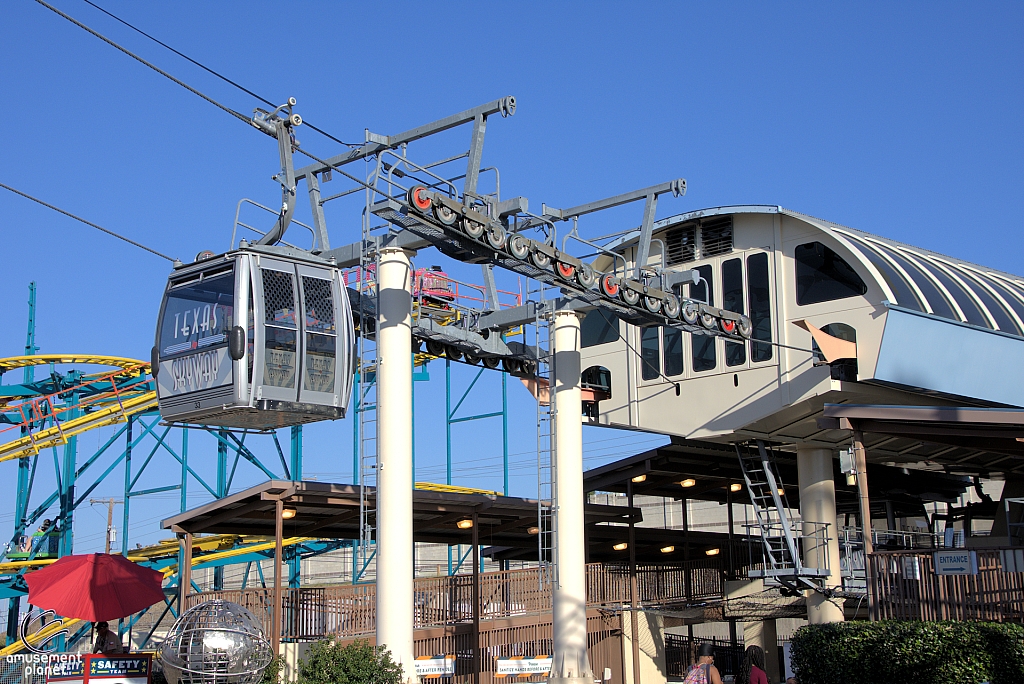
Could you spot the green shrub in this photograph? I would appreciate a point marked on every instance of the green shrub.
(909, 652)
(272, 673)
(328, 662)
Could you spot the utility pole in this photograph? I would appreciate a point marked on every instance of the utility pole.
(110, 503)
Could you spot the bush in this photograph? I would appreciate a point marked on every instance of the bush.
(909, 652)
(272, 672)
(328, 662)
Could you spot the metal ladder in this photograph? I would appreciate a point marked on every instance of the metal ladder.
(546, 452)
(779, 538)
(366, 404)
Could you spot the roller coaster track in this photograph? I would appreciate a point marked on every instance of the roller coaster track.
(108, 398)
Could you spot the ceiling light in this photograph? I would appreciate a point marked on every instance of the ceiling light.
(465, 524)
(621, 546)
(712, 552)
(735, 487)
(782, 492)
(668, 549)
(534, 530)
(288, 513)
(689, 482)
(639, 478)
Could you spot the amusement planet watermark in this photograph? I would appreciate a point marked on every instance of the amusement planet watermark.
(47, 664)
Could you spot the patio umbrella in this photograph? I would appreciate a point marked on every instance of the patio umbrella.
(94, 587)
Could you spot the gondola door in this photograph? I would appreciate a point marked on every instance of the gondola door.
(278, 341)
(323, 343)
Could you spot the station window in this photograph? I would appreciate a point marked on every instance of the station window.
(650, 353)
(598, 327)
(823, 276)
(732, 300)
(704, 357)
(673, 342)
(759, 293)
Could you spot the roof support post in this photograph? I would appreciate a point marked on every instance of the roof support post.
(275, 637)
(394, 459)
(634, 604)
(569, 615)
(817, 506)
(477, 660)
(861, 456)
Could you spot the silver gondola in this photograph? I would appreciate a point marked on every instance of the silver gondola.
(254, 340)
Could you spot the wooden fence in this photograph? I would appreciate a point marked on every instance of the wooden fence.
(348, 610)
(907, 588)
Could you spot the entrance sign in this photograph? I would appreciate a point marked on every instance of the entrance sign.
(435, 667)
(956, 562)
(523, 666)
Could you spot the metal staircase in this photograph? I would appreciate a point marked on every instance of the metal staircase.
(784, 540)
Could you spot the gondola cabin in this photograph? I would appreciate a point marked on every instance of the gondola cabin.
(254, 340)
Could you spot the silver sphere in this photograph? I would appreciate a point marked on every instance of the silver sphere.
(216, 642)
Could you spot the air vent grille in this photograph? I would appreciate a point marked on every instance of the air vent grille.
(681, 244)
(716, 236)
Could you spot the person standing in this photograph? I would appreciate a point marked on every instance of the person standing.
(752, 670)
(704, 670)
(107, 642)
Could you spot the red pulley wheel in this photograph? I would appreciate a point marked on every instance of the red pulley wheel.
(420, 198)
(728, 326)
(609, 286)
(566, 270)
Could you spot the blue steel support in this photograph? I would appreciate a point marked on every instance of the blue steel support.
(222, 491)
(67, 495)
(294, 559)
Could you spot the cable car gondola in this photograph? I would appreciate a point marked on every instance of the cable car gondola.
(254, 339)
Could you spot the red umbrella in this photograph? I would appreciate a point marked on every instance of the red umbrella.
(96, 587)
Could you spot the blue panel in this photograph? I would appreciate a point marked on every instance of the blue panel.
(925, 352)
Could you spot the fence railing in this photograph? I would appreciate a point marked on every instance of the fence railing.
(348, 610)
(908, 588)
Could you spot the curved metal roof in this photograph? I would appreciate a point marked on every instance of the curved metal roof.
(912, 277)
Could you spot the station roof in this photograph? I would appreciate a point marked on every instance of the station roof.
(332, 511)
(912, 277)
(714, 467)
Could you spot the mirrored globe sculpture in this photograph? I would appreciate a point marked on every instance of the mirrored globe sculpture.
(215, 642)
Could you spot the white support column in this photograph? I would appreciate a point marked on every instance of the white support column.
(570, 664)
(818, 505)
(394, 459)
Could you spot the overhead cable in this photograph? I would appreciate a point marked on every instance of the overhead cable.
(211, 71)
(88, 223)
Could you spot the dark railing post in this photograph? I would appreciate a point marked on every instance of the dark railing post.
(634, 629)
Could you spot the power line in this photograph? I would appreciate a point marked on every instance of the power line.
(210, 71)
(88, 223)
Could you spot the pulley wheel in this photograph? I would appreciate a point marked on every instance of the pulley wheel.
(472, 228)
(445, 214)
(471, 359)
(419, 199)
(631, 297)
(510, 365)
(690, 313)
(519, 247)
(452, 353)
(565, 271)
(435, 348)
(709, 321)
(671, 306)
(491, 362)
(496, 236)
(609, 285)
(586, 277)
(727, 325)
(745, 328)
(540, 260)
(652, 304)
(529, 367)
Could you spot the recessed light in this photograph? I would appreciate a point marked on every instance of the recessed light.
(668, 549)
(735, 487)
(712, 552)
(288, 513)
(534, 530)
(464, 524)
(689, 482)
(621, 546)
(639, 478)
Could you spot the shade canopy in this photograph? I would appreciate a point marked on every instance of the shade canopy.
(95, 587)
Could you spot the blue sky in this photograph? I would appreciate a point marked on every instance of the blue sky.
(902, 119)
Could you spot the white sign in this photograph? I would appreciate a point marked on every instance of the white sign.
(438, 666)
(956, 562)
(522, 666)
